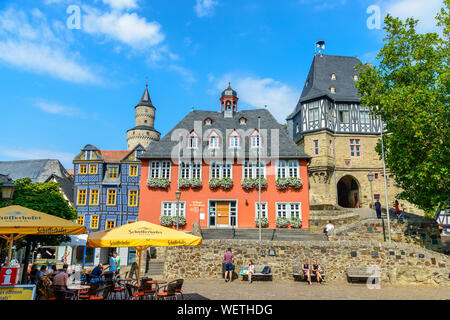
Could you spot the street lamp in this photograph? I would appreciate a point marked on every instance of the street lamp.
(178, 196)
(370, 178)
(7, 187)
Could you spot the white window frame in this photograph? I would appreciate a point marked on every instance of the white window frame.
(255, 139)
(213, 137)
(313, 111)
(264, 206)
(193, 141)
(250, 168)
(288, 169)
(234, 140)
(169, 208)
(160, 169)
(289, 209)
(191, 170)
(220, 170)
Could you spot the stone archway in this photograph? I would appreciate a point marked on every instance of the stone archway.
(348, 192)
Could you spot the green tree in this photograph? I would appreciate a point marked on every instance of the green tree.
(44, 197)
(409, 90)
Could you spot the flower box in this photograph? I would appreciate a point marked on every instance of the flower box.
(165, 221)
(158, 183)
(282, 222)
(264, 222)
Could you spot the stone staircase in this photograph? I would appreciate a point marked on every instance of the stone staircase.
(155, 267)
(266, 234)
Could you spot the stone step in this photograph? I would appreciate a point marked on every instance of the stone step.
(266, 234)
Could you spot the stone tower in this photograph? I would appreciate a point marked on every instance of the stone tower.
(144, 132)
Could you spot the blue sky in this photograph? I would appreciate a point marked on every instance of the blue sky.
(64, 87)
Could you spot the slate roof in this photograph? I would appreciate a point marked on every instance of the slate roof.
(145, 99)
(66, 185)
(319, 80)
(37, 170)
(288, 149)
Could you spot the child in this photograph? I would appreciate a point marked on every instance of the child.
(251, 271)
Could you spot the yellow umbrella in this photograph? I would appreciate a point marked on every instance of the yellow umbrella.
(17, 222)
(141, 235)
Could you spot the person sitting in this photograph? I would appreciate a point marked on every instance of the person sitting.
(34, 274)
(61, 283)
(328, 227)
(306, 271)
(52, 272)
(316, 268)
(97, 273)
(251, 271)
(44, 283)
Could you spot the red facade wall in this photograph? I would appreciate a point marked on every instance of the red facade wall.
(150, 199)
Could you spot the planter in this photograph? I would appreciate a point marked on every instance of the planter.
(295, 223)
(196, 183)
(181, 221)
(250, 183)
(282, 183)
(282, 222)
(184, 183)
(226, 183)
(264, 222)
(165, 221)
(214, 183)
(295, 183)
(158, 183)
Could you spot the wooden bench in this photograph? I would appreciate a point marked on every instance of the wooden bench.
(358, 274)
(258, 274)
(298, 274)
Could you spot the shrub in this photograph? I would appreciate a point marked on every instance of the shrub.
(264, 222)
(158, 183)
(181, 220)
(295, 223)
(282, 222)
(165, 221)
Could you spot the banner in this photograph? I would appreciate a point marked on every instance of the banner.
(21, 292)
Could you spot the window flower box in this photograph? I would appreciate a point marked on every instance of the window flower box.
(184, 183)
(264, 222)
(196, 183)
(250, 183)
(158, 183)
(282, 222)
(214, 183)
(165, 221)
(295, 223)
(226, 183)
(282, 183)
(181, 220)
(295, 183)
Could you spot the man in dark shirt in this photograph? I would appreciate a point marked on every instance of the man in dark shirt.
(378, 208)
(228, 259)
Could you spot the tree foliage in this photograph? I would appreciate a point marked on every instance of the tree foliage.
(409, 90)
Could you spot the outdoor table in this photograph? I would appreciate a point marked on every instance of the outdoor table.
(157, 283)
(77, 288)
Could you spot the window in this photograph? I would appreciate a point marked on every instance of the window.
(355, 148)
(289, 210)
(191, 170)
(82, 197)
(313, 111)
(110, 224)
(263, 209)
(376, 175)
(364, 115)
(234, 140)
(242, 121)
(83, 169)
(133, 171)
(213, 141)
(333, 90)
(208, 122)
(316, 147)
(94, 197)
(111, 200)
(355, 77)
(220, 170)
(287, 169)
(160, 169)
(253, 170)
(132, 198)
(169, 208)
(88, 155)
(94, 222)
(113, 172)
(376, 196)
(80, 220)
(255, 139)
(344, 113)
(333, 76)
(93, 169)
(297, 129)
(193, 141)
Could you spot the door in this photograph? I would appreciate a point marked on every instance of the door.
(223, 213)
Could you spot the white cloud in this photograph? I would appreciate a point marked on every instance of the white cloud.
(127, 28)
(186, 73)
(59, 109)
(324, 5)
(35, 153)
(121, 4)
(424, 10)
(280, 98)
(30, 44)
(205, 8)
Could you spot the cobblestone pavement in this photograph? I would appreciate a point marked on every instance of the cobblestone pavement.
(290, 290)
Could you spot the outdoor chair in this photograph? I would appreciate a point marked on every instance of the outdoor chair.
(149, 289)
(105, 294)
(92, 291)
(118, 290)
(134, 295)
(179, 286)
(169, 292)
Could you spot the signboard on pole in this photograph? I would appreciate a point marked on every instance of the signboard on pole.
(21, 292)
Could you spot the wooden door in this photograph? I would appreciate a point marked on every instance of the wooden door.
(223, 213)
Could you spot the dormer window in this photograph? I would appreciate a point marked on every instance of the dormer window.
(208, 121)
(213, 141)
(355, 77)
(255, 139)
(192, 141)
(306, 83)
(234, 140)
(333, 90)
(333, 76)
(242, 121)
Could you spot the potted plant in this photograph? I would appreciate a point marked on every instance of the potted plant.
(264, 222)
(282, 222)
(295, 222)
(181, 220)
(165, 221)
(226, 183)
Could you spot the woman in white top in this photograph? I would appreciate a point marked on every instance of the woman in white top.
(251, 271)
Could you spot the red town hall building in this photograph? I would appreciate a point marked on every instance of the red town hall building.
(217, 160)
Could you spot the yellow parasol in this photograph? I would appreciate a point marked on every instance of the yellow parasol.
(17, 222)
(141, 235)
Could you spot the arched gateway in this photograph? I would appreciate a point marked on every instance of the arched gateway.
(348, 192)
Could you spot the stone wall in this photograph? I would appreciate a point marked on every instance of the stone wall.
(398, 262)
(416, 230)
(339, 217)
